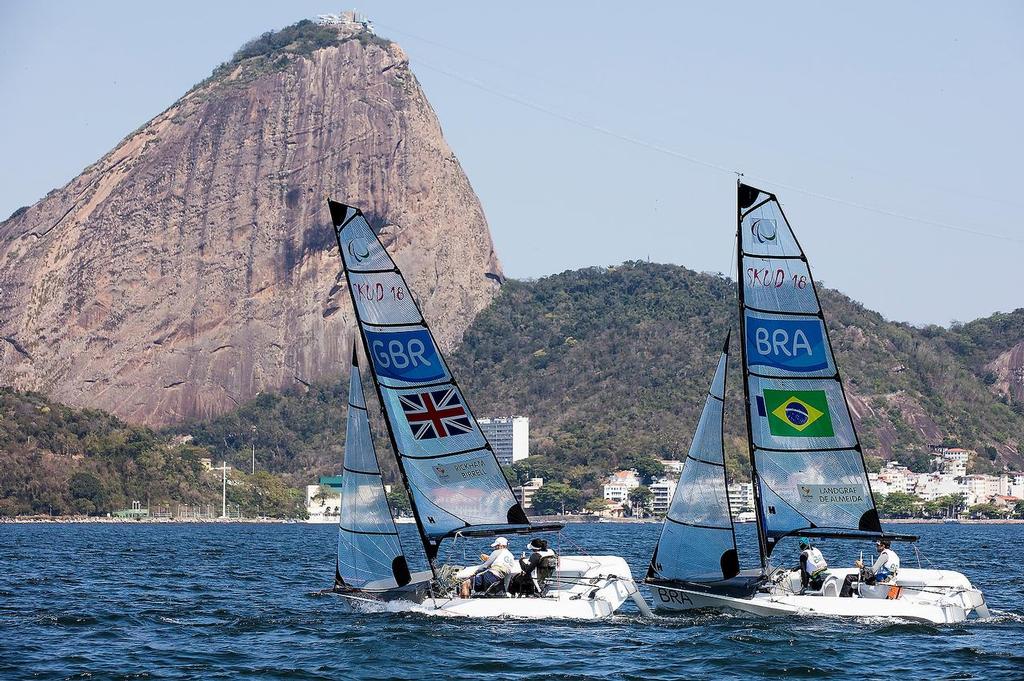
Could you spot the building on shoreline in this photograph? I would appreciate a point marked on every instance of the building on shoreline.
(509, 437)
(950, 479)
(524, 493)
(619, 485)
(662, 490)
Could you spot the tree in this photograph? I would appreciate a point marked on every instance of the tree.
(897, 504)
(647, 467)
(595, 505)
(640, 499)
(399, 501)
(987, 511)
(85, 486)
(555, 498)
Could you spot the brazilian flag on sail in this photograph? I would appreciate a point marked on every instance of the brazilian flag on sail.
(796, 413)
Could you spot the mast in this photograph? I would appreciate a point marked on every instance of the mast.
(744, 200)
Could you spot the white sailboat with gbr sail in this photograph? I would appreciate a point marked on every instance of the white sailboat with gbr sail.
(809, 475)
(455, 484)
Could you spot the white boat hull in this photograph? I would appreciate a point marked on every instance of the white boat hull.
(934, 596)
(583, 587)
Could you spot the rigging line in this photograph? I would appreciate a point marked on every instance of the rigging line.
(574, 86)
(886, 211)
(575, 120)
(708, 164)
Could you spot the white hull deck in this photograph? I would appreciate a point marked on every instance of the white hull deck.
(934, 596)
(583, 587)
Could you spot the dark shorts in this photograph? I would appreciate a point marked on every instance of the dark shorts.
(484, 580)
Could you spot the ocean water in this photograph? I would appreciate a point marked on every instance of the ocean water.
(177, 601)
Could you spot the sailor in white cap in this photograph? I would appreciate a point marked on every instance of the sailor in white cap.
(495, 568)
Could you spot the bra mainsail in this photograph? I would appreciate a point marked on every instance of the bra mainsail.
(806, 459)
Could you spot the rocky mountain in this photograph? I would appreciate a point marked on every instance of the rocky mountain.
(193, 266)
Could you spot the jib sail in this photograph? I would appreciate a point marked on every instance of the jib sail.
(807, 462)
(697, 541)
(454, 480)
(370, 554)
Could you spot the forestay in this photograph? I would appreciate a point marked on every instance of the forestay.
(807, 461)
(697, 541)
(369, 551)
(453, 476)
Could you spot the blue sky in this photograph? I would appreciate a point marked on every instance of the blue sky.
(597, 132)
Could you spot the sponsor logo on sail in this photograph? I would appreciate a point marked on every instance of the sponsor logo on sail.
(796, 413)
(435, 414)
(796, 345)
(765, 230)
(832, 494)
(405, 355)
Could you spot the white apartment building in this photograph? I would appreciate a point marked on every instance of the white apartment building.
(931, 486)
(662, 490)
(952, 460)
(894, 478)
(619, 485)
(672, 467)
(524, 493)
(509, 437)
(741, 496)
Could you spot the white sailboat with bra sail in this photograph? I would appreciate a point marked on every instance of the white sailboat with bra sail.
(807, 465)
(456, 486)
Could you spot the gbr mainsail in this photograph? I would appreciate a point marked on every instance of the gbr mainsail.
(370, 553)
(454, 480)
(697, 541)
(808, 467)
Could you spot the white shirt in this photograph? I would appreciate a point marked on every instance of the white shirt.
(887, 560)
(501, 562)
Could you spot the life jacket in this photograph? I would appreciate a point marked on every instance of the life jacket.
(890, 566)
(816, 565)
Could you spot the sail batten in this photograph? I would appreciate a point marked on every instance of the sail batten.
(805, 455)
(453, 477)
(698, 543)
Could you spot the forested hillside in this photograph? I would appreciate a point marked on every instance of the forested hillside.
(58, 460)
(610, 364)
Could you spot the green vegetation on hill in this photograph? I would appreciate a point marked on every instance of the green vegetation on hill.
(611, 363)
(56, 460)
(612, 366)
(274, 50)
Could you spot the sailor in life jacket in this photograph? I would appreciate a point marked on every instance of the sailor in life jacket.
(540, 564)
(886, 565)
(813, 568)
(496, 567)
(882, 571)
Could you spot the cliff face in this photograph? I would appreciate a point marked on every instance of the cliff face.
(194, 265)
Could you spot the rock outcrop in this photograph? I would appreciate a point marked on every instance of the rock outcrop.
(194, 265)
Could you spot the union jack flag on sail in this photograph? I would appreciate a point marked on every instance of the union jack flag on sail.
(435, 413)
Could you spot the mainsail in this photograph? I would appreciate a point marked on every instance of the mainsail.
(697, 541)
(808, 467)
(454, 480)
(369, 551)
